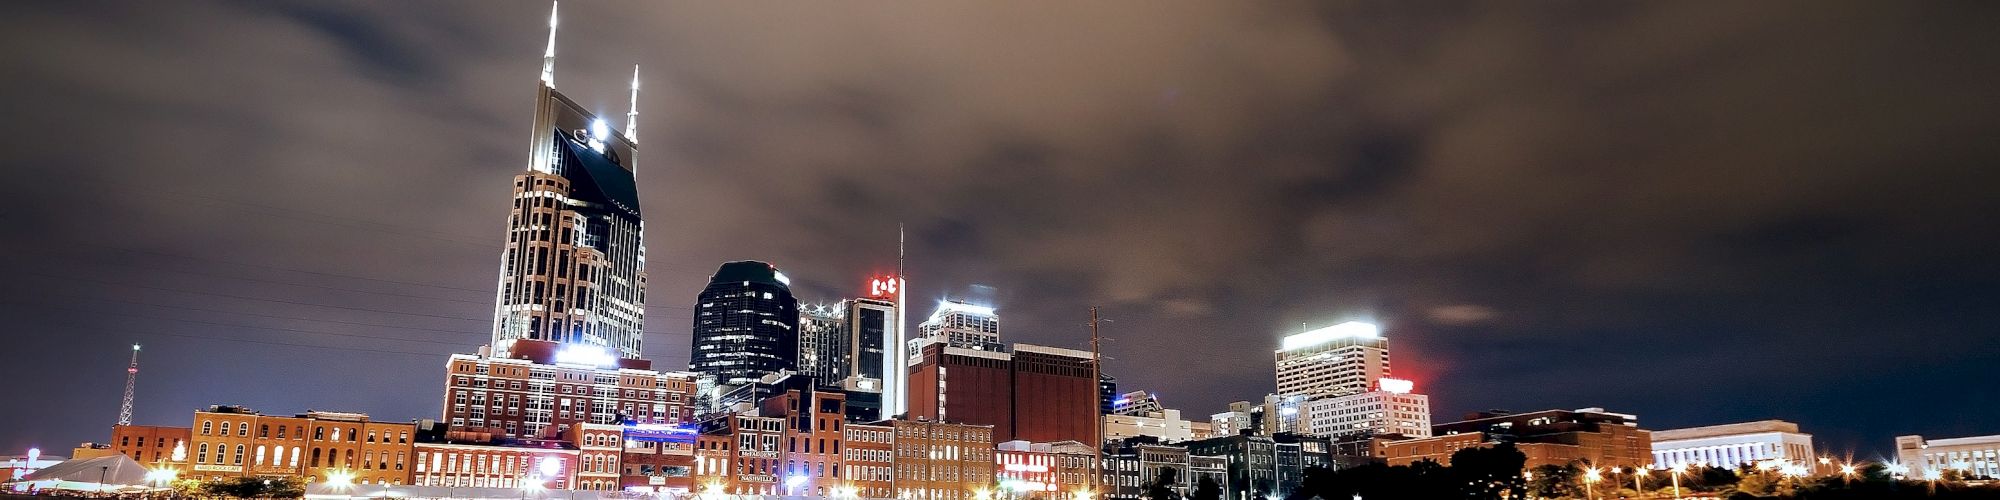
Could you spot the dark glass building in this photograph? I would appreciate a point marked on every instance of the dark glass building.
(746, 324)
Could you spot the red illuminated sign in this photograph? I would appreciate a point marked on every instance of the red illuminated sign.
(884, 287)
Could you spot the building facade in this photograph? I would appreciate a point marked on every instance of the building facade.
(1131, 466)
(942, 460)
(871, 460)
(1166, 426)
(1731, 446)
(1034, 393)
(962, 325)
(232, 441)
(573, 269)
(148, 444)
(1976, 457)
(546, 388)
(825, 343)
(745, 325)
(1333, 361)
(1136, 403)
(1549, 437)
(1373, 412)
(1250, 461)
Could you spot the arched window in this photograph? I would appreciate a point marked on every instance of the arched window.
(260, 456)
(238, 460)
(207, 426)
(295, 456)
(315, 458)
(202, 455)
(225, 428)
(349, 463)
(351, 435)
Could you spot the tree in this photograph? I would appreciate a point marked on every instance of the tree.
(1318, 482)
(1162, 487)
(1206, 489)
(1488, 472)
(1554, 481)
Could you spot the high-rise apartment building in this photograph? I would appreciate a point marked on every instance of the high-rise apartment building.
(745, 324)
(1337, 360)
(573, 269)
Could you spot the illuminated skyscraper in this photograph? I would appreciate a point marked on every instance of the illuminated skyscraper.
(1337, 360)
(573, 270)
(824, 343)
(959, 324)
(745, 324)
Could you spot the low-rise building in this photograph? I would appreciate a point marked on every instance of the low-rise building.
(1977, 456)
(1251, 463)
(148, 444)
(1025, 469)
(871, 460)
(1213, 468)
(942, 460)
(1167, 426)
(658, 458)
(233, 441)
(470, 459)
(1131, 466)
(1734, 445)
(1549, 437)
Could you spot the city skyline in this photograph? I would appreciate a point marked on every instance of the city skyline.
(343, 195)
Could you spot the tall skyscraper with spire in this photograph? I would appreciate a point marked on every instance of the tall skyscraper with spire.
(573, 270)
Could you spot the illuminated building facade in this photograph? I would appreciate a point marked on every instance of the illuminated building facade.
(1337, 360)
(745, 325)
(871, 459)
(1136, 403)
(1167, 426)
(1392, 408)
(546, 388)
(741, 455)
(1131, 466)
(961, 325)
(480, 460)
(1977, 456)
(1051, 470)
(232, 441)
(875, 354)
(942, 461)
(573, 269)
(825, 344)
(1733, 445)
(659, 458)
(813, 456)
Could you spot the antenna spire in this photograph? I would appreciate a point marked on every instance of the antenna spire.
(632, 117)
(131, 378)
(549, 56)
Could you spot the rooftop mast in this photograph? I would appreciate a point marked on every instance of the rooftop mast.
(632, 117)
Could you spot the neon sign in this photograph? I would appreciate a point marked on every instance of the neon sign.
(889, 286)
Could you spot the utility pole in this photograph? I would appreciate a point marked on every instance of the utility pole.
(1097, 417)
(131, 379)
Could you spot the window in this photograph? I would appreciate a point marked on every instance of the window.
(225, 428)
(202, 455)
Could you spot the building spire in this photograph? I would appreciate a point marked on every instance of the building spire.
(549, 56)
(632, 117)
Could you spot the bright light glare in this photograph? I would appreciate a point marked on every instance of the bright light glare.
(795, 481)
(340, 478)
(1593, 474)
(599, 130)
(550, 466)
(1847, 469)
(1396, 385)
(949, 306)
(1351, 329)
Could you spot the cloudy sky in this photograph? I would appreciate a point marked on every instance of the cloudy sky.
(1699, 212)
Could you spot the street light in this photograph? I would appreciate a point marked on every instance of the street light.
(1679, 468)
(1639, 473)
(1590, 478)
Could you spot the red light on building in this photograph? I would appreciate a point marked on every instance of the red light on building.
(885, 287)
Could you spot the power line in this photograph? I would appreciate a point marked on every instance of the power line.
(243, 297)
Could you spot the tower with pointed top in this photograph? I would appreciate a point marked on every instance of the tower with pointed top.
(573, 269)
(131, 381)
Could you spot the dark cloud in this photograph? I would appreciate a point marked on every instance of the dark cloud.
(1697, 212)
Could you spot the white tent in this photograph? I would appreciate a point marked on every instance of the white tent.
(108, 473)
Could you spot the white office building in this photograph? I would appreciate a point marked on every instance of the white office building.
(1167, 425)
(1333, 361)
(961, 325)
(1977, 456)
(1393, 409)
(1136, 403)
(1733, 445)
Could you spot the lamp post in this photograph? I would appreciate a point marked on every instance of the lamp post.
(1680, 468)
(1590, 477)
(1639, 473)
(1847, 473)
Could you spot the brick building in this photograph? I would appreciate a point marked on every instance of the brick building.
(1548, 437)
(462, 459)
(148, 444)
(543, 388)
(233, 441)
(1034, 393)
(943, 461)
(812, 439)
(871, 460)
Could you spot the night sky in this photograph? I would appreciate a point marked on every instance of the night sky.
(1697, 212)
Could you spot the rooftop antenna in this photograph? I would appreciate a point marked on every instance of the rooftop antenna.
(632, 117)
(131, 379)
(549, 56)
